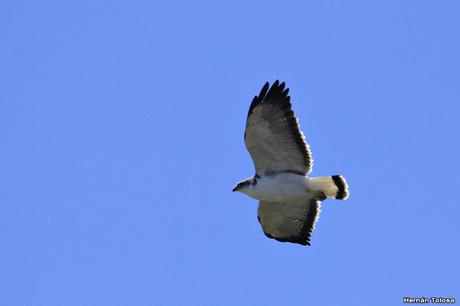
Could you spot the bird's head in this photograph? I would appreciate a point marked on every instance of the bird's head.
(245, 185)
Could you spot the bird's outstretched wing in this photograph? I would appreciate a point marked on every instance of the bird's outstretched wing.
(273, 137)
(289, 222)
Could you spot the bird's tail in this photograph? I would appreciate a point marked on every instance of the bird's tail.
(335, 187)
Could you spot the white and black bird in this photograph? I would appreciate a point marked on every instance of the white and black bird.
(289, 200)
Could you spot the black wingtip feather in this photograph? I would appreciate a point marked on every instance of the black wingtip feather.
(281, 88)
(264, 90)
(276, 90)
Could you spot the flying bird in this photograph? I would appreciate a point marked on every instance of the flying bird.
(289, 200)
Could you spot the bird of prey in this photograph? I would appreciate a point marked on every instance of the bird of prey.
(289, 200)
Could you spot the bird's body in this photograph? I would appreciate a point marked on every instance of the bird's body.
(280, 187)
(289, 200)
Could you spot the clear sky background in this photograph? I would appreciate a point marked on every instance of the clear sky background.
(122, 124)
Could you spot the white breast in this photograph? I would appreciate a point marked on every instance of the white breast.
(279, 187)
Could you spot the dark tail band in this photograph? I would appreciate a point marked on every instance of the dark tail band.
(342, 186)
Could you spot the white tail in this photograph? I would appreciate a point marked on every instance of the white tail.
(335, 187)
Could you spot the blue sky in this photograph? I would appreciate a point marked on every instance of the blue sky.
(122, 124)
